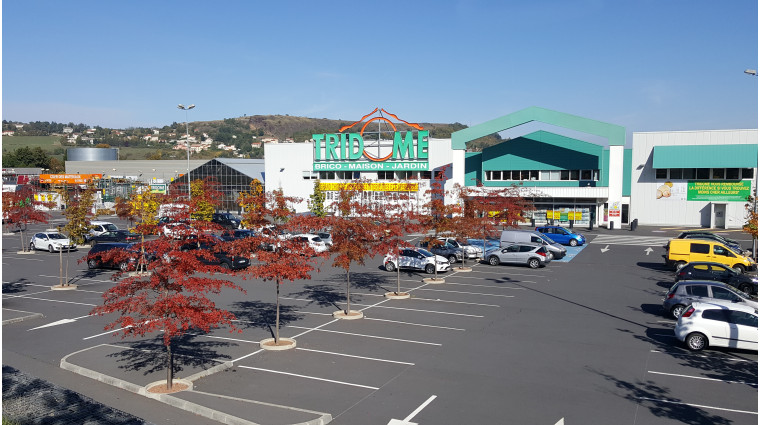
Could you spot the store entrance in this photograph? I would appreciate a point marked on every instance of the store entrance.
(561, 211)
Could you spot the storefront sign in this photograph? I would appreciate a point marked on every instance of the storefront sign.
(348, 152)
(718, 190)
(372, 187)
(158, 188)
(69, 178)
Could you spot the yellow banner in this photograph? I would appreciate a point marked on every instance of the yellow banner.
(372, 187)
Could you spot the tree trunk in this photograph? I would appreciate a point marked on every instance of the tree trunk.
(348, 291)
(277, 319)
(169, 366)
(464, 257)
(60, 267)
(23, 245)
(398, 270)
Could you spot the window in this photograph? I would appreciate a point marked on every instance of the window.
(515, 174)
(732, 173)
(718, 173)
(310, 175)
(554, 175)
(689, 173)
(574, 174)
(700, 248)
(327, 175)
(526, 248)
(345, 175)
(426, 175)
(742, 318)
(723, 294)
(703, 173)
(676, 173)
(385, 175)
(524, 175)
(697, 290)
(586, 175)
(719, 250)
(495, 175)
(564, 175)
(544, 175)
(514, 248)
(748, 173)
(534, 174)
(661, 173)
(717, 315)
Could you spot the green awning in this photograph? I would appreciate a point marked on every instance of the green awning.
(705, 156)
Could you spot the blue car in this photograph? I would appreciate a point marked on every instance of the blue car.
(562, 236)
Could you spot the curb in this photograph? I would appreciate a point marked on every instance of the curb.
(22, 318)
(163, 398)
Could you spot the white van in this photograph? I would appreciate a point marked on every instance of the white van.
(511, 236)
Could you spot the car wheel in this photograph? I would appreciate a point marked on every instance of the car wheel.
(746, 289)
(680, 264)
(390, 266)
(533, 263)
(429, 269)
(50, 248)
(738, 268)
(226, 266)
(92, 264)
(452, 259)
(493, 260)
(573, 242)
(31, 246)
(93, 242)
(677, 310)
(696, 341)
(124, 266)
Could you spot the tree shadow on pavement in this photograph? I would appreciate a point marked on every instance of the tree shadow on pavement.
(257, 314)
(15, 287)
(150, 355)
(323, 295)
(373, 283)
(661, 402)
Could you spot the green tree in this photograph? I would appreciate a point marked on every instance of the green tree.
(317, 200)
(27, 157)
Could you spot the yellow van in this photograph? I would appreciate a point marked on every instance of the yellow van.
(682, 251)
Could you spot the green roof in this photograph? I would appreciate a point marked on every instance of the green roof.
(705, 156)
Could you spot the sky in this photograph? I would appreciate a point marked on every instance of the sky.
(646, 65)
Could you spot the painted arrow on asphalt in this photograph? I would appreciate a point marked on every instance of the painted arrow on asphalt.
(59, 322)
(606, 248)
(648, 251)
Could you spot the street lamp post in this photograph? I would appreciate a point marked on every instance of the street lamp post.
(187, 137)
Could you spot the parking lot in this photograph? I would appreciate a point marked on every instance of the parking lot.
(582, 340)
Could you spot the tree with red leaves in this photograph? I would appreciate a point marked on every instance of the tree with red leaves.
(438, 215)
(397, 217)
(355, 233)
(22, 209)
(173, 296)
(462, 224)
(494, 206)
(279, 256)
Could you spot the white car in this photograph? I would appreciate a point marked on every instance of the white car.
(97, 228)
(417, 259)
(315, 242)
(51, 241)
(718, 325)
(470, 251)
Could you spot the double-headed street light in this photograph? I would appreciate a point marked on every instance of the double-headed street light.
(187, 137)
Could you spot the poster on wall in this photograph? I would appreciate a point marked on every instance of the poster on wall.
(670, 191)
(719, 190)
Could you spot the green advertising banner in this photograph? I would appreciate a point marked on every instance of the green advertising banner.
(718, 190)
(371, 166)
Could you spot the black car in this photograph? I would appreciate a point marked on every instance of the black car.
(237, 234)
(226, 220)
(114, 236)
(222, 258)
(128, 261)
(705, 270)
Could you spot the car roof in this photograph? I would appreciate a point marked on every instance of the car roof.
(100, 222)
(711, 263)
(702, 282)
(736, 306)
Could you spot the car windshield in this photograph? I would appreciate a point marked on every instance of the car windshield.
(546, 238)
(56, 236)
(425, 252)
(316, 239)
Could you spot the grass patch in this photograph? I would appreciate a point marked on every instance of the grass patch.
(47, 143)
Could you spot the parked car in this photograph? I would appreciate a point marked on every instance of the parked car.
(471, 252)
(326, 238)
(314, 241)
(232, 235)
(51, 241)
(562, 236)
(703, 234)
(96, 257)
(682, 251)
(705, 325)
(490, 243)
(226, 220)
(686, 292)
(705, 270)
(221, 257)
(508, 237)
(530, 254)
(416, 259)
(115, 236)
(100, 227)
(445, 249)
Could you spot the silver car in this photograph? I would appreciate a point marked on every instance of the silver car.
(447, 250)
(687, 292)
(530, 254)
(469, 250)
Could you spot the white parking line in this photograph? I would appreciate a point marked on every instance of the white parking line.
(728, 359)
(58, 301)
(394, 308)
(5, 296)
(697, 405)
(455, 302)
(80, 279)
(414, 324)
(28, 259)
(355, 357)
(467, 293)
(504, 274)
(492, 286)
(703, 378)
(367, 336)
(309, 377)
